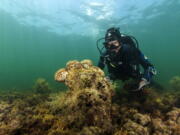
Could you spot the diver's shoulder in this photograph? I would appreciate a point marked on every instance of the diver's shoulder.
(126, 47)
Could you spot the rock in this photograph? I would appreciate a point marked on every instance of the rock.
(159, 127)
(174, 114)
(133, 128)
(88, 100)
(142, 119)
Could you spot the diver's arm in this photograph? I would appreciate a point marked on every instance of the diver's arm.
(101, 63)
(149, 69)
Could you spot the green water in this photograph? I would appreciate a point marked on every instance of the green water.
(38, 37)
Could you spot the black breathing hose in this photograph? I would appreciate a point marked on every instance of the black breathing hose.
(97, 44)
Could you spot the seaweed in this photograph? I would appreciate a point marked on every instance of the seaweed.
(92, 105)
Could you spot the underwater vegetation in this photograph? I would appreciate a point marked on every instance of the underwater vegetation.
(41, 86)
(175, 83)
(92, 105)
(87, 103)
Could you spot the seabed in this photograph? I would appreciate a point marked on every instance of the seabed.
(91, 106)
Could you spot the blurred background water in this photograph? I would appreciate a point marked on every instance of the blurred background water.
(37, 37)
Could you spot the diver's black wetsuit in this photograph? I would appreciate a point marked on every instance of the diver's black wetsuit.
(126, 63)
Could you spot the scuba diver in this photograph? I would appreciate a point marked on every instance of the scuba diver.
(123, 59)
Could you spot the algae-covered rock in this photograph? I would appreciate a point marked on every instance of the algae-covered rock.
(159, 127)
(142, 119)
(132, 128)
(88, 100)
(92, 130)
(175, 83)
(81, 75)
(169, 125)
(174, 114)
(41, 86)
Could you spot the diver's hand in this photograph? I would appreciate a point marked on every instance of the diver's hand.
(108, 79)
(143, 83)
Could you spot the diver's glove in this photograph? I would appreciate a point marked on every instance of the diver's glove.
(143, 83)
